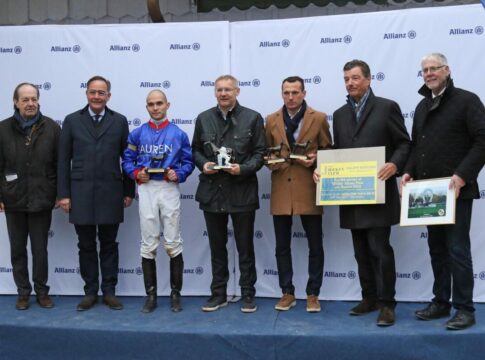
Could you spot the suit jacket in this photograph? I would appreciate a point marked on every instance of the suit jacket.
(292, 186)
(381, 124)
(89, 171)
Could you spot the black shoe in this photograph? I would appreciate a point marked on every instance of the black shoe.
(22, 302)
(150, 303)
(45, 301)
(386, 317)
(364, 307)
(113, 302)
(433, 311)
(248, 304)
(87, 302)
(461, 320)
(214, 303)
(175, 304)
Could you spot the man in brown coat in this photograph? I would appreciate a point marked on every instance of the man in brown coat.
(293, 189)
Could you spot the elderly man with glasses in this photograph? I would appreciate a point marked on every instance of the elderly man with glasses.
(448, 141)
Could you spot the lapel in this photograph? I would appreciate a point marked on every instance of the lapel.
(279, 126)
(87, 121)
(108, 120)
(365, 114)
(306, 124)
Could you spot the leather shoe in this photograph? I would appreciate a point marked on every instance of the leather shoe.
(386, 317)
(113, 302)
(461, 320)
(364, 307)
(87, 302)
(45, 301)
(22, 302)
(433, 311)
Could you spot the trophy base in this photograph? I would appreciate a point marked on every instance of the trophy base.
(299, 157)
(155, 171)
(274, 161)
(220, 167)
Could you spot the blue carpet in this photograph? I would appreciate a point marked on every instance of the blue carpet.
(101, 333)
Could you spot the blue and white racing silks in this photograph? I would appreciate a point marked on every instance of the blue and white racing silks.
(149, 142)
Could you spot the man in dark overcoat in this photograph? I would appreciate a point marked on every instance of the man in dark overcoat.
(368, 121)
(92, 188)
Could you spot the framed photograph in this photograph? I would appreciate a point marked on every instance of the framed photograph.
(428, 202)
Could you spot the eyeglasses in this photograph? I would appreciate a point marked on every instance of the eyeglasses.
(99, 92)
(432, 69)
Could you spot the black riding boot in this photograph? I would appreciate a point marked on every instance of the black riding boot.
(176, 278)
(150, 278)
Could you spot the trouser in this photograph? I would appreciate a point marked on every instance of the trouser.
(451, 260)
(243, 223)
(108, 257)
(376, 265)
(20, 226)
(159, 209)
(312, 224)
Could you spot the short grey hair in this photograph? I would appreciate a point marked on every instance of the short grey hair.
(435, 56)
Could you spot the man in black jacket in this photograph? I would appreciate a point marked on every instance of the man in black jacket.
(232, 190)
(28, 158)
(448, 141)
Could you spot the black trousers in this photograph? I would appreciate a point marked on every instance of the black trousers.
(243, 223)
(108, 257)
(376, 265)
(451, 259)
(312, 224)
(20, 226)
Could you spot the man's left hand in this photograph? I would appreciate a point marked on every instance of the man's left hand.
(127, 201)
(234, 170)
(388, 170)
(309, 161)
(457, 183)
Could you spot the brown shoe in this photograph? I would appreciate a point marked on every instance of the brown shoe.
(87, 302)
(45, 301)
(312, 304)
(286, 302)
(22, 302)
(386, 317)
(113, 302)
(364, 307)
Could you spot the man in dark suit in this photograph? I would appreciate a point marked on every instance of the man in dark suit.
(92, 188)
(366, 121)
(449, 141)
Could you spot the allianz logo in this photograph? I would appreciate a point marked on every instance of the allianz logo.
(283, 43)
(199, 270)
(186, 197)
(147, 84)
(134, 47)
(126, 271)
(408, 115)
(135, 122)
(182, 121)
(254, 83)
(415, 275)
(411, 34)
(299, 235)
(63, 270)
(74, 49)
(346, 39)
(195, 46)
(480, 275)
(11, 50)
(45, 86)
(230, 233)
(482, 194)
(478, 30)
(270, 272)
(4, 269)
(335, 274)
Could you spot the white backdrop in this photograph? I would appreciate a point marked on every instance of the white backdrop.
(183, 60)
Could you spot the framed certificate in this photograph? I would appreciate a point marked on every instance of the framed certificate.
(349, 176)
(428, 202)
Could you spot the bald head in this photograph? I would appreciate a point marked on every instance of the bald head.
(157, 104)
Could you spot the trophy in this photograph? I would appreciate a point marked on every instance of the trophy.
(299, 151)
(275, 150)
(156, 165)
(224, 156)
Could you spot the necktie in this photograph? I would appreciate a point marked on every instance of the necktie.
(97, 119)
